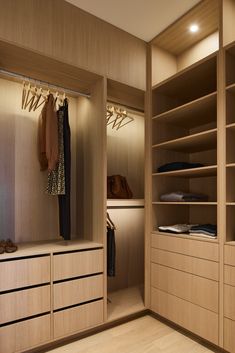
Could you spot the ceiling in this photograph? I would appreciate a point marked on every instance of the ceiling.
(142, 18)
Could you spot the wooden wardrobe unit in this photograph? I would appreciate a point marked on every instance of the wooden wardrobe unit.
(191, 118)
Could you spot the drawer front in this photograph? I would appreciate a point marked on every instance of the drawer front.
(229, 275)
(198, 290)
(196, 248)
(24, 273)
(199, 267)
(200, 321)
(229, 337)
(78, 264)
(229, 302)
(78, 291)
(229, 255)
(25, 335)
(25, 303)
(76, 319)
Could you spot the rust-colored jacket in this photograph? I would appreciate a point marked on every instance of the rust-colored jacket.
(48, 136)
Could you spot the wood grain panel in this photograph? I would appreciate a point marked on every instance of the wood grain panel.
(25, 303)
(24, 272)
(229, 340)
(229, 275)
(77, 264)
(85, 40)
(25, 335)
(78, 291)
(176, 39)
(76, 319)
(193, 265)
(229, 302)
(195, 289)
(229, 255)
(196, 248)
(200, 321)
(228, 19)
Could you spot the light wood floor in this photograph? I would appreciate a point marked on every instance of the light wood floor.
(125, 302)
(143, 335)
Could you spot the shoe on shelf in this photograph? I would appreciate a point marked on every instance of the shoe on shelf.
(10, 246)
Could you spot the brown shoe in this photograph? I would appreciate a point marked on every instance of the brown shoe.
(10, 246)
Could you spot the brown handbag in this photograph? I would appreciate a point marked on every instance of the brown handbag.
(118, 188)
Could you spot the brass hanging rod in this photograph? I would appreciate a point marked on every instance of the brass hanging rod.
(42, 83)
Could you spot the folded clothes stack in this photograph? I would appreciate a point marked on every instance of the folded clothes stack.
(170, 167)
(180, 196)
(203, 230)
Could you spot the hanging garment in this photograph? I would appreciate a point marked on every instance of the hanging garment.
(48, 136)
(56, 177)
(111, 252)
(64, 200)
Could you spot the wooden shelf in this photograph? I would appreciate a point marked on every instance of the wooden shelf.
(230, 165)
(198, 112)
(230, 203)
(231, 243)
(194, 143)
(191, 172)
(186, 236)
(230, 126)
(185, 203)
(125, 202)
(48, 247)
(231, 88)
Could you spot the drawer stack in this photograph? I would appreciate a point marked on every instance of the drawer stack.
(229, 298)
(184, 283)
(25, 303)
(78, 290)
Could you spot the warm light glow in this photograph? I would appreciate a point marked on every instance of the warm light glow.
(194, 28)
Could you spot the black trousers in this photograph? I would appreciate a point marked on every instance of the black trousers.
(111, 252)
(64, 200)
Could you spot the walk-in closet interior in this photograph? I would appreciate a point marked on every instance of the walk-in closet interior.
(145, 223)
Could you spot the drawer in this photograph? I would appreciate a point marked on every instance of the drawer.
(229, 275)
(77, 264)
(79, 318)
(198, 290)
(200, 321)
(24, 273)
(229, 302)
(201, 249)
(229, 337)
(229, 255)
(26, 334)
(199, 267)
(78, 291)
(25, 303)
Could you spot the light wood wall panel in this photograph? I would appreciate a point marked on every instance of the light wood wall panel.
(229, 341)
(58, 29)
(228, 21)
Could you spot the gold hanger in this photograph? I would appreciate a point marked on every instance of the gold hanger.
(23, 95)
(39, 94)
(29, 101)
(45, 97)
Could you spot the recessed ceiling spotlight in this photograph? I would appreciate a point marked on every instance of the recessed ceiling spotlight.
(194, 28)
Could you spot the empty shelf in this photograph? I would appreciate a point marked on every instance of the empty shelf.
(125, 203)
(231, 88)
(230, 126)
(198, 112)
(191, 173)
(194, 143)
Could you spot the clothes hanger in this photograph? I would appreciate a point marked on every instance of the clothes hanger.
(110, 223)
(31, 100)
(34, 92)
(126, 120)
(23, 95)
(39, 94)
(45, 96)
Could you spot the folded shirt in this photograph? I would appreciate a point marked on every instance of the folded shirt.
(176, 228)
(206, 229)
(180, 196)
(203, 230)
(169, 167)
